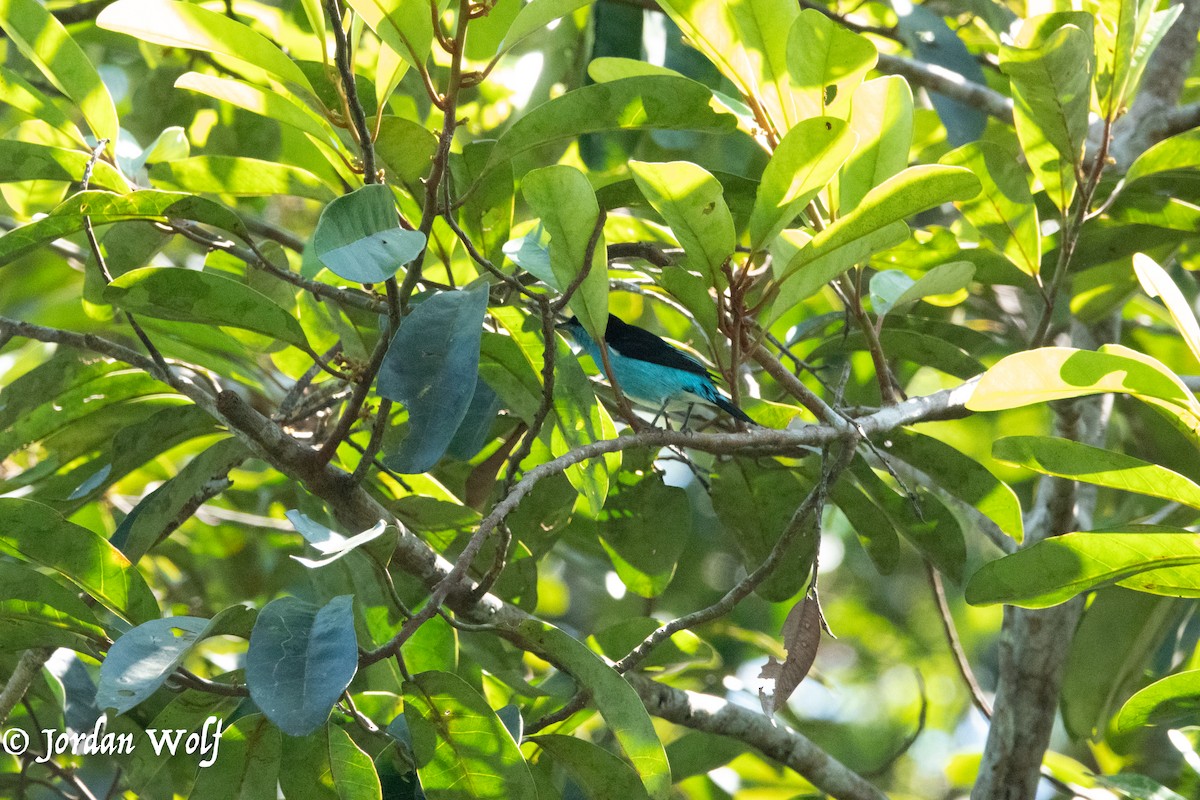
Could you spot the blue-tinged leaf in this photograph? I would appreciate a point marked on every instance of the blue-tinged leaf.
(431, 367)
(932, 42)
(301, 659)
(358, 236)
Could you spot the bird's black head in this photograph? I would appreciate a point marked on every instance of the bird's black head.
(569, 325)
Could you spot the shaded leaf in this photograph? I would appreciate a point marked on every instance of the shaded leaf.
(600, 774)
(248, 767)
(431, 366)
(1004, 212)
(614, 698)
(301, 659)
(36, 611)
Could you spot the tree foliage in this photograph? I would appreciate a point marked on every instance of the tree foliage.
(289, 438)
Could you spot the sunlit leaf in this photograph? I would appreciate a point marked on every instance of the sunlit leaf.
(1058, 568)
(43, 40)
(185, 295)
(37, 533)
(691, 201)
(1067, 459)
(462, 748)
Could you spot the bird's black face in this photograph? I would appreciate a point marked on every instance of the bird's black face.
(570, 325)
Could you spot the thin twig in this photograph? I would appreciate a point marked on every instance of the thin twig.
(956, 648)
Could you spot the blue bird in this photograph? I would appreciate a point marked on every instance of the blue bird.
(652, 372)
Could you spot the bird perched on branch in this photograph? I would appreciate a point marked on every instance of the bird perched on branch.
(652, 372)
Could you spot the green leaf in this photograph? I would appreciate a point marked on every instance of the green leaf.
(106, 207)
(644, 528)
(599, 773)
(1004, 212)
(462, 749)
(1168, 701)
(158, 511)
(487, 213)
(1152, 27)
(191, 710)
(1067, 459)
(29, 161)
(241, 177)
(257, 100)
(881, 115)
(578, 418)
(912, 191)
(1157, 283)
(662, 102)
(142, 659)
(185, 295)
(960, 476)
(192, 27)
(408, 148)
(563, 198)
(404, 25)
(248, 766)
(1061, 567)
(692, 202)
(748, 42)
(43, 40)
(1110, 651)
(328, 765)
(1176, 157)
(78, 399)
(816, 267)
(827, 62)
(805, 160)
(359, 238)
(39, 534)
(614, 698)
(536, 15)
(922, 519)
(755, 504)
(1051, 87)
(1131, 785)
(36, 611)
(431, 366)
(683, 647)
(301, 659)
(942, 279)
(23, 97)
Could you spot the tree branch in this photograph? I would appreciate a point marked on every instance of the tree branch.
(945, 82)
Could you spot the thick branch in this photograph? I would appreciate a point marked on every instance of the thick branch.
(715, 715)
(1150, 117)
(948, 83)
